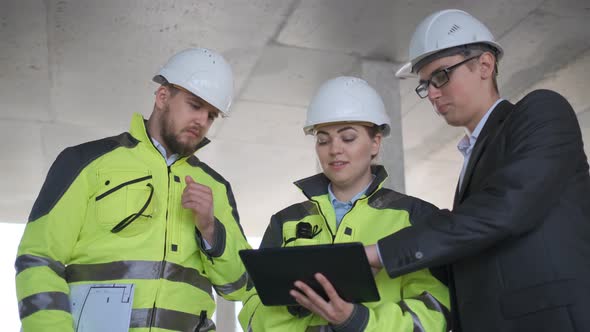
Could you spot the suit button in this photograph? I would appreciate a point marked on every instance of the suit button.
(419, 255)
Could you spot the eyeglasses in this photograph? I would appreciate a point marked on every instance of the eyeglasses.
(439, 78)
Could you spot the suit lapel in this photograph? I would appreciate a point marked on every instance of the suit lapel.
(489, 129)
(456, 199)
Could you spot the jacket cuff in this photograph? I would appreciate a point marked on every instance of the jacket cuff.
(358, 320)
(298, 311)
(218, 240)
(400, 252)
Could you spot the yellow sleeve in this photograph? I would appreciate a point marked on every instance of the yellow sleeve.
(222, 262)
(45, 248)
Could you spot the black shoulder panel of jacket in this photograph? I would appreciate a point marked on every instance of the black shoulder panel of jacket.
(68, 165)
(273, 236)
(418, 210)
(297, 211)
(195, 162)
(386, 198)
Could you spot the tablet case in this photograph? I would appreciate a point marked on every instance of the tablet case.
(275, 270)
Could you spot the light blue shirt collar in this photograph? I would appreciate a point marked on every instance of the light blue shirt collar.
(466, 143)
(169, 160)
(341, 208)
(335, 200)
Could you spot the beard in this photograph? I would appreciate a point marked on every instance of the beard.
(171, 139)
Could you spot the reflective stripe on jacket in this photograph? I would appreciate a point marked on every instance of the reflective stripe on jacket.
(123, 184)
(413, 302)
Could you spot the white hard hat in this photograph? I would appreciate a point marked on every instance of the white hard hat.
(203, 72)
(443, 30)
(346, 99)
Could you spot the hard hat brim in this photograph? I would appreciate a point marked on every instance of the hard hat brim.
(405, 71)
(159, 79)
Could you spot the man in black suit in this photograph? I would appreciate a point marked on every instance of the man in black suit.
(516, 245)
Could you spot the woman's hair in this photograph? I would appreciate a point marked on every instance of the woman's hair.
(373, 131)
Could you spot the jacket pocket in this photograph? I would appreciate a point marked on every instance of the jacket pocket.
(532, 299)
(125, 201)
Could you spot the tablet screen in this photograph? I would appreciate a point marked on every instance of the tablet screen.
(275, 270)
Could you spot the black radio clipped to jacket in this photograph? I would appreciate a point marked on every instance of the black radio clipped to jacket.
(304, 230)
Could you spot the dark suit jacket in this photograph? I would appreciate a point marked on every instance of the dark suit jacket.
(517, 242)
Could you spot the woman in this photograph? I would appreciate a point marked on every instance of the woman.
(347, 203)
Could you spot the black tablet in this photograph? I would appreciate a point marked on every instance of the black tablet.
(274, 271)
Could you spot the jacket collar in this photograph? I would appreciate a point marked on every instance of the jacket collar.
(317, 185)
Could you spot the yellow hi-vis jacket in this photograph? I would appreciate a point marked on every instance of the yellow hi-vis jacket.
(123, 183)
(414, 302)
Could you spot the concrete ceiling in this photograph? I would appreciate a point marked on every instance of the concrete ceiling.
(73, 71)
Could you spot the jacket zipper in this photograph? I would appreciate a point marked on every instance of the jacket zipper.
(342, 220)
(347, 212)
(325, 220)
(163, 263)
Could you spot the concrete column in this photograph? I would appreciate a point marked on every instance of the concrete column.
(226, 315)
(381, 76)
